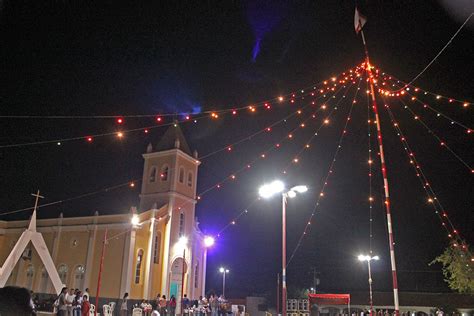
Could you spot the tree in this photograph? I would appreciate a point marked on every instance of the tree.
(457, 268)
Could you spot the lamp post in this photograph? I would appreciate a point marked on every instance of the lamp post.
(224, 271)
(266, 191)
(368, 259)
(208, 242)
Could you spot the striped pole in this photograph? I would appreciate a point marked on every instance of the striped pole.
(385, 182)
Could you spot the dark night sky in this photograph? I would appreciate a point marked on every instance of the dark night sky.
(91, 58)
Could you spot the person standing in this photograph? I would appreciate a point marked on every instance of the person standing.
(185, 304)
(70, 296)
(214, 304)
(162, 304)
(85, 306)
(124, 305)
(172, 305)
(62, 304)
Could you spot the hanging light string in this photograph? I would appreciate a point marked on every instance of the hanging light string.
(246, 209)
(440, 211)
(442, 50)
(414, 98)
(441, 142)
(267, 128)
(369, 164)
(329, 173)
(338, 79)
(130, 183)
(316, 133)
(90, 138)
(121, 133)
(327, 86)
(265, 153)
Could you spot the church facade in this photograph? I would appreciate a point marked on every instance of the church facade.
(146, 258)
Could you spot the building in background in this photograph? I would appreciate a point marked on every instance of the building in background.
(144, 260)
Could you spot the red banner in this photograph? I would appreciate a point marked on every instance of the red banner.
(329, 299)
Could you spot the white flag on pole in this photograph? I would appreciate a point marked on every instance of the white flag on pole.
(359, 21)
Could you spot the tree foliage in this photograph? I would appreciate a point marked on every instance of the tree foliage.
(457, 268)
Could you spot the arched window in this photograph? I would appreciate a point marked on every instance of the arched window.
(79, 277)
(157, 249)
(30, 274)
(164, 173)
(62, 271)
(181, 224)
(152, 176)
(196, 275)
(181, 174)
(138, 268)
(190, 179)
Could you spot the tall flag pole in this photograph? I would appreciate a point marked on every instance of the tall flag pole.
(359, 21)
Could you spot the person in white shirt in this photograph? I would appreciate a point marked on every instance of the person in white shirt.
(69, 300)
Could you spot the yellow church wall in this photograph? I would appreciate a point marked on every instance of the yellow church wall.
(158, 267)
(113, 259)
(70, 254)
(141, 242)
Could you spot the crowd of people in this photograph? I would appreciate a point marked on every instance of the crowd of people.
(212, 305)
(74, 302)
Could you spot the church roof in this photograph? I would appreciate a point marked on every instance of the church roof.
(170, 138)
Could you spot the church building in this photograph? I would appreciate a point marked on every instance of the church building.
(146, 258)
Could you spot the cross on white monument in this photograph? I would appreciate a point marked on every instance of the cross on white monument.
(37, 240)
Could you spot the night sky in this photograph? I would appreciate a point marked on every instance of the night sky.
(90, 58)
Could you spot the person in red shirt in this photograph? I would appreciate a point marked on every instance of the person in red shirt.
(173, 305)
(86, 306)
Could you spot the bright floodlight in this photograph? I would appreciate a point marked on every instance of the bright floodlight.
(209, 241)
(362, 258)
(291, 194)
(223, 270)
(270, 189)
(183, 240)
(367, 258)
(300, 188)
(135, 220)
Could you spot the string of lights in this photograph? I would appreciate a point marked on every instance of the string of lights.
(369, 164)
(327, 86)
(246, 209)
(268, 128)
(264, 154)
(130, 183)
(441, 142)
(325, 182)
(120, 119)
(414, 98)
(439, 210)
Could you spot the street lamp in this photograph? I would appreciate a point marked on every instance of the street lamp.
(368, 259)
(267, 191)
(209, 241)
(224, 271)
